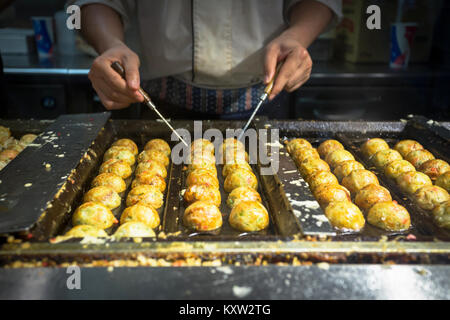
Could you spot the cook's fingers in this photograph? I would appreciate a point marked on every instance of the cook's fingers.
(113, 95)
(299, 78)
(109, 104)
(115, 81)
(270, 62)
(291, 64)
(131, 64)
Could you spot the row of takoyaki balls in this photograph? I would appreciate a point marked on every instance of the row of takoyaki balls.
(140, 217)
(11, 147)
(356, 182)
(203, 194)
(402, 163)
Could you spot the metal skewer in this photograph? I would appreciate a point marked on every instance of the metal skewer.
(121, 71)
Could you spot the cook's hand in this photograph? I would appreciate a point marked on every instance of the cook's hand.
(296, 67)
(113, 91)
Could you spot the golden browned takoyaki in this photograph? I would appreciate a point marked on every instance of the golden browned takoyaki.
(443, 181)
(298, 155)
(8, 155)
(228, 168)
(202, 216)
(335, 157)
(158, 145)
(240, 178)
(242, 194)
(202, 176)
(133, 229)
(358, 179)
(202, 192)
(249, 216)
(202, 146)
(297, 144)
(109, 180)
(141, 213)
(346, 167)
(325, 194)
(434, 168)
(372, 146)
(154, 155)
(397, 167)
(412, 181)
(150, 179)
(389, 215)
(104, 195)
(94, 214)
(312, 165)
(27, 139)
(127, 143)
(145, 195)
(120, 153)
(441, 215)
(85, 230)
(320, 178)
(384, 157)
(151, 167)
(418, 157)
(406, 146)
(371, 194)
(119, 167)
(429, 197)
(328, 146)
(345, 215)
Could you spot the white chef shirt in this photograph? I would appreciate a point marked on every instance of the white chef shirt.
(207, 43)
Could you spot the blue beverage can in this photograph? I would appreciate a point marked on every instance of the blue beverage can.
(44, 35)
(402, 36)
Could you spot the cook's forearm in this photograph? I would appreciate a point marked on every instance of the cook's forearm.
(308, 19)
(101, 27)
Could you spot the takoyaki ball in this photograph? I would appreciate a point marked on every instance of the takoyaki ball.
(227, 168)
(358, 179)
(3, 164)
(141, 213)
(242, 194)
(120, 153)
(154, 155)
(151, 167)
(145, 195)
(297, 144)
(418, 157)
(104, 195)
(109, 180)
(335, 157)
(441, 215)
(325, 194)
(127, 143)
(443, 181)
(94, 214)
(372, 146)
(320, 178)
(5, 133)
(202, 176)
(232, 143)
(389, 215)
(198, 160)
(119, 167)
(133, 229)
(345, 215)
(249, 216)
(149, 179)
(158, 145)
(371, 194)
(203, 166)
(86, 230)
(406, 146)
(202, 146)
(27, 139)
(429, 197)
(202, 216)
(412, 181)
(202, 192)
(240, 178)
(394, 169)
(346, 167)
(328, 146)
(434, 168)
(311, 165)
(384, 157)
(301, 154)
(8, 155)
(234, 155)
